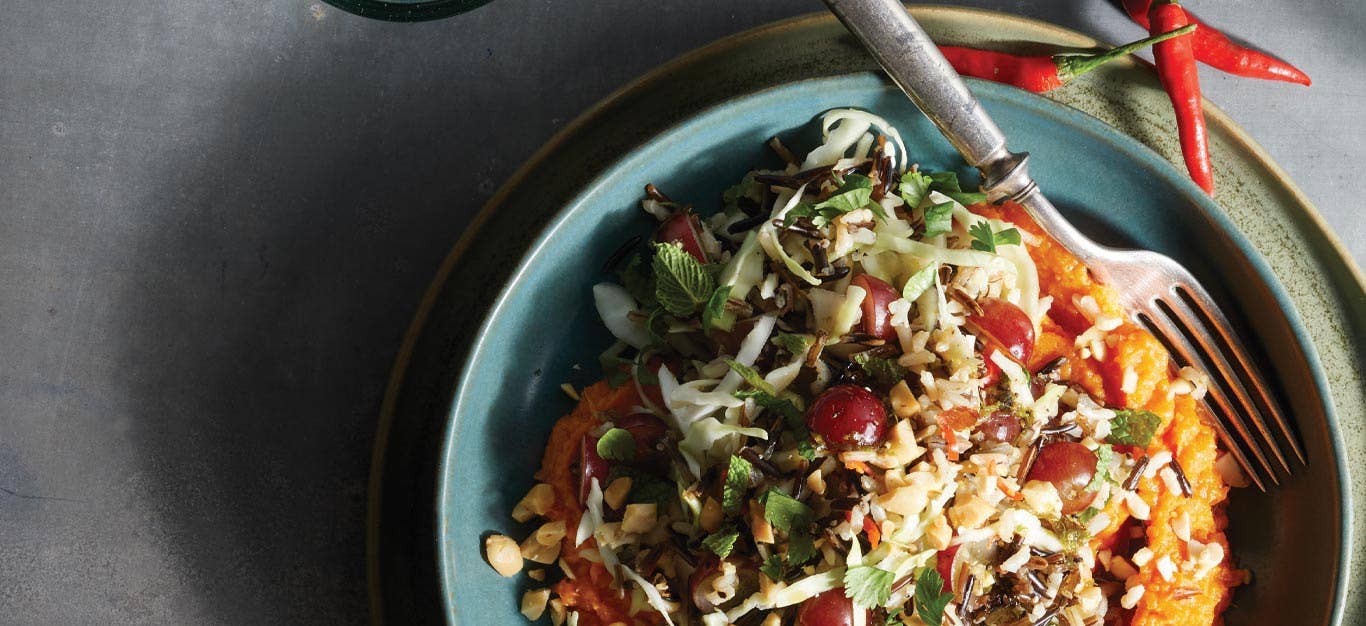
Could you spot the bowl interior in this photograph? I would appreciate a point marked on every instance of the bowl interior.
(543, 330)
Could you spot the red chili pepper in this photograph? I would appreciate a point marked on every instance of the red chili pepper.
(1214, 49)
(1176, 67)
(1040, 73)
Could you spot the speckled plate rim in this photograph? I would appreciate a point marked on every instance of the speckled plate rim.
(1336, 258)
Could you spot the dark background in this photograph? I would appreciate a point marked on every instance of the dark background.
(216, 220)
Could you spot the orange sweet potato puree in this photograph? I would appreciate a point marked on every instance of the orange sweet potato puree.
(590, 591)
(1184, 433)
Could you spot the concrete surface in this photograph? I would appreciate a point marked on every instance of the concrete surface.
(216, 219)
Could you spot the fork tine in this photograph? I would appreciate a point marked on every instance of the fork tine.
(1180, 345)
(1227, 376)
(1201, 301)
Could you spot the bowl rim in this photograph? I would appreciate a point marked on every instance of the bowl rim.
(1337, 258)
(1071, 117)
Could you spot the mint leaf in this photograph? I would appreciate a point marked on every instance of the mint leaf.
(715, 315)
(636, 277)
(1071, 532)
(914, 187)
(773, 567)
(1132, 427)
(722, 541)
(681, 282)
(786, 513)
(893, 617)
(930, 597)
(617, 444)
(868, 586)
(984, 239)
(738, 477)
(938, 219)
(887, 372)
(1105, 457)
(794, 343)
(751, 376)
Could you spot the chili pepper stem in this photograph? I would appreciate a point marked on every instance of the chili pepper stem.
(1072, 65)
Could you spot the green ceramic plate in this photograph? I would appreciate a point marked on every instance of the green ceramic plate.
(476, 385)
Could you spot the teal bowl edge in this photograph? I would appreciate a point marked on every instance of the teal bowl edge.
(990, 93)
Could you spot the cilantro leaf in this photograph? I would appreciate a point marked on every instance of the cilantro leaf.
(738, 477)
(986, 240)
(914, 187)
(722, 541)
(794, 343)
(615, 369)
(945, 182)
(751, 376)
(919, 282)
(967, 198)
(681, 282)
(930, 597)
(617, 444)
(792, 418)
(868, 586)
(715, 315)
(785, 512)
(853, 194)
(1133, 428)
(645, 486)
(800, 549)
(1105, 457)
(773, 567)
(886, 372)
(938, 219)
(746, 189)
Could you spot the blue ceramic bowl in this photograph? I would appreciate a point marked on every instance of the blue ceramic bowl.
(542, 331)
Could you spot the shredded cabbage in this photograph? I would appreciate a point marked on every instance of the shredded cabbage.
(615, 306)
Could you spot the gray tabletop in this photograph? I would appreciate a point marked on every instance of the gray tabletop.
(216, 219)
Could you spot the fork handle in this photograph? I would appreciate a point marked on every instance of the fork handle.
(916, 65)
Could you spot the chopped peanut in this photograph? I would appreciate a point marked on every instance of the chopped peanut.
(533, 550)
(639, 518)
(533, 603)
(615, 495)
(536, 503)
(502, 553)
(550, 533)
(758, 526)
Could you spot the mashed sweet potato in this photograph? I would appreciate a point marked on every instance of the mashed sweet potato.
(1131, 351)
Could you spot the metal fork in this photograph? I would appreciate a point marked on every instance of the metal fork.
(1159, 293)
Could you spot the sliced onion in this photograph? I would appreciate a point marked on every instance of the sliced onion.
(615, 306)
